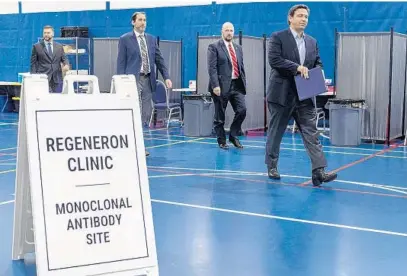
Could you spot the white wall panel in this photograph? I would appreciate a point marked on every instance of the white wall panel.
(8, 7)
(61, 6)
(116, 5)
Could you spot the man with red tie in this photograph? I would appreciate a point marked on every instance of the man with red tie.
(227, 82)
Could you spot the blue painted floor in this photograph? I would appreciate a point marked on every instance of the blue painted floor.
(216, 212)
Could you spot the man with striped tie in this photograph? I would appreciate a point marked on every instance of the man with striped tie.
(138, 52)
(227, 82)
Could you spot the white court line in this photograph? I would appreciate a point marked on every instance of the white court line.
(286, 138)
(7, 149)
(284, 148)
(8, 171)
(378, 186)
(264, 142)
(183, 136)
(157, 129)
(11, 159)
(175, 143)
(325, 151)
(170, 140)
(8, 120)
(6, 202)
(192, 174)
(171, 175)
(332, 147)
(341, 226)
(229, 171)
(373, 185)
(4, 129)
(396, 189)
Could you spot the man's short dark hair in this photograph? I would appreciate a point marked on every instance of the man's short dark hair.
(294, 8)
(134, 16)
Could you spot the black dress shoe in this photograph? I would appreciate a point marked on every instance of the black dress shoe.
(235, 142)
(273, 173)
(223, 146)
(319, 176)
(147, 153)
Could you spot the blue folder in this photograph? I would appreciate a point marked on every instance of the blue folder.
(311, 87)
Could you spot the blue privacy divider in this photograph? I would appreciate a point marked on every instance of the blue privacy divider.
(3, 102)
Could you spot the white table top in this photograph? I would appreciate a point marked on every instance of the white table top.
(329, 93)
(184, 90)
(9, 83)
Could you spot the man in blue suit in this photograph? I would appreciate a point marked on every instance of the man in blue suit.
(227, 82)
(292, 52)
(137, 54)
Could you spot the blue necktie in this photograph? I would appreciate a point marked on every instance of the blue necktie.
(49, 49)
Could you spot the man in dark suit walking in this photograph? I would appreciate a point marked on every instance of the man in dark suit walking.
(137, 54)
(48, 57)
(292, 52)
(227, 82)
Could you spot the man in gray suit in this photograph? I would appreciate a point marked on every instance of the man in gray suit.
(48, 57)
(292, 52)
(227, 82)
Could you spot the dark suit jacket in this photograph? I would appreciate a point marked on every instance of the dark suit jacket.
(220, 66)
(129, 57)
(284, 59)
(43, 63)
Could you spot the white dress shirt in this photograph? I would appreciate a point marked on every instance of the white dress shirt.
(300, 45)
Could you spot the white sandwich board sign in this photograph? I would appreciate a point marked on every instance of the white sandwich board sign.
(81, 170)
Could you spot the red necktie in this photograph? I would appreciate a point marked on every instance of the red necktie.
(234, 60)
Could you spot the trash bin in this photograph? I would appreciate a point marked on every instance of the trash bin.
(198, 115)
(345, 121)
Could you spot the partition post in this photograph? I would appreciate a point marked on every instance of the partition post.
(265, 79)
(197, 60)
(404, 97)
(390, 86)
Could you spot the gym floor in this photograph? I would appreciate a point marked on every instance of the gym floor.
(216, 212)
